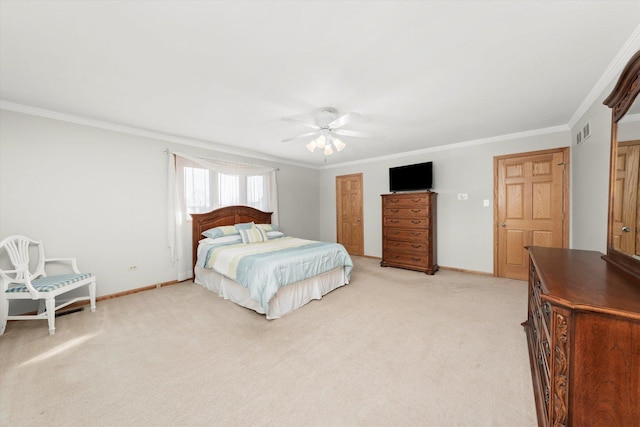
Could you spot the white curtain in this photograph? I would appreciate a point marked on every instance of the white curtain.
(199, 185)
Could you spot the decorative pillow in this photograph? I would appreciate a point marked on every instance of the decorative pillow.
(234, 238)
(244, 226)
(268, 227)
(253, 235)
(274, 234)
(225, 230)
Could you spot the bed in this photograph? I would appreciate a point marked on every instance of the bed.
(272, 277)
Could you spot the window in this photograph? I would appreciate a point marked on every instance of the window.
(196, 190)
(205, 190)
(229, 189)
(255, 190)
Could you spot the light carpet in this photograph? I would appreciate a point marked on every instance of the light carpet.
(392, 348)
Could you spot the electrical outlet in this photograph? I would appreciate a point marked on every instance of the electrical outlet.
(463, 196)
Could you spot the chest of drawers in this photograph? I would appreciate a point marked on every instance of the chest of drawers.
(408, 231)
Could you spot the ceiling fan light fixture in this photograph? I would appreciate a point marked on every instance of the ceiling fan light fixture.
(327, 127)
(311, 146)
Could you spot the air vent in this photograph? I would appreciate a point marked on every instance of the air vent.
(586, 131)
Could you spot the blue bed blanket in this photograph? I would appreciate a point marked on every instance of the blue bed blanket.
(265, 267)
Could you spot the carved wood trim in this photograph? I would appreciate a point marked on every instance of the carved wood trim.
(561, 370)
(626, 89)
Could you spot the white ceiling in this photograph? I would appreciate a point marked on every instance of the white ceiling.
(421, 73)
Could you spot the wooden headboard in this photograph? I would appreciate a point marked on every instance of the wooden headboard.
(228, 215)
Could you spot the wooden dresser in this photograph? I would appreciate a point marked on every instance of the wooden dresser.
(409, 231)
(583, 332)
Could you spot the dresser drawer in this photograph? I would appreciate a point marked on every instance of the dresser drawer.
(393, 257)
(397, 212)
(406, 235)
(406, 201)
(406, 223)
(411, 247)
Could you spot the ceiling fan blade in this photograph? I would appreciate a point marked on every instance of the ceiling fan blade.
(301, 122)
(354, 133)
(343, 120)
(304, 135)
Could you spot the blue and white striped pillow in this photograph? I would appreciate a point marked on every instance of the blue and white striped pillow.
(253, 235)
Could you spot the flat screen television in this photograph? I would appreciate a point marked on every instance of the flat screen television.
(411, 177)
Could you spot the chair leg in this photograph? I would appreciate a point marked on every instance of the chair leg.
(92, 294)
(51, 315)
(4, 313)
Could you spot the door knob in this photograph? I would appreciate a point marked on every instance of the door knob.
(504, 224)
(626, 229)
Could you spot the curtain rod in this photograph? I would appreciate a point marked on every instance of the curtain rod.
(167, 151)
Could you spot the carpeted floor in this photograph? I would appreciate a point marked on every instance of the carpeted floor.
(393, 348)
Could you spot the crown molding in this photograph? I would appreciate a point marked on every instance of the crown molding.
(70, 118)
(455, 146)
(20, 108)
(610, 75)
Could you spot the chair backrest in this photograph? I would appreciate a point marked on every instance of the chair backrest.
(17, 247)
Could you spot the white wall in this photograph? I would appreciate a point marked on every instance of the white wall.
(464, 228)
(590, 179)
(101, 196)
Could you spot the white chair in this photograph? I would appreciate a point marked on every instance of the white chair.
(20, 284)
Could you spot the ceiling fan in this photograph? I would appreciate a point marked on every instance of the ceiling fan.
(326, 129)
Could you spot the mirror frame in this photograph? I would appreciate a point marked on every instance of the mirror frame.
(620, 101)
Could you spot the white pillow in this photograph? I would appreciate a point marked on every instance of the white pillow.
(223, 239)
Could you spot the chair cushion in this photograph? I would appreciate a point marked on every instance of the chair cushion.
(51, 283)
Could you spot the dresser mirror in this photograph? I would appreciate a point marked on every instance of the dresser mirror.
(623, 237)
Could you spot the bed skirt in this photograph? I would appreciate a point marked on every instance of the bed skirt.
(286, 300)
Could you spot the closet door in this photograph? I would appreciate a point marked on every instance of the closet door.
(349, 213)
(530, 208)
